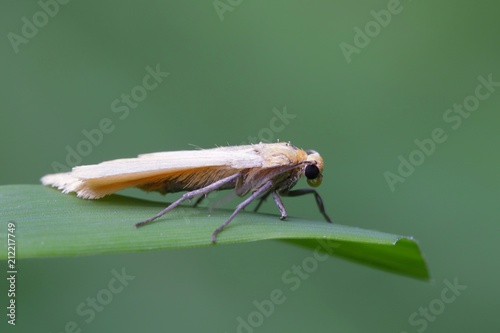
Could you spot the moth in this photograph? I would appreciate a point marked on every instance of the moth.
(260, 169)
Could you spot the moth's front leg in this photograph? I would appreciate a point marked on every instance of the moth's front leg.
(319, 201)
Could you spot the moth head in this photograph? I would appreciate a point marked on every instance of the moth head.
(313, 169)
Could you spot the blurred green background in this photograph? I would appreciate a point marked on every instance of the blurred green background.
(229, 68)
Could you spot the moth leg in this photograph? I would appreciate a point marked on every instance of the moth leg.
(242, 205)
(199, 200)
(278, 202)
(190, 195)
(280, 205)
(319, 201)
(261, 200)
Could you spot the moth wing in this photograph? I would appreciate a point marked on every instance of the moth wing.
(171, 162)
(98, 180)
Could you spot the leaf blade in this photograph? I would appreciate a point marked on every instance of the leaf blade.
(49, 223)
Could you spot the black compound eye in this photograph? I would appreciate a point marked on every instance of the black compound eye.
(311, 171)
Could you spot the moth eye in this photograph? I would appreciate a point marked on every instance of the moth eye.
(311, 171)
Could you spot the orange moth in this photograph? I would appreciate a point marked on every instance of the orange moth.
(261, 169)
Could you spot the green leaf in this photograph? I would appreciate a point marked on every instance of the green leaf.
(49, 223)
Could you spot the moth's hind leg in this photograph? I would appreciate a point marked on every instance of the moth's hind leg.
(191, 195)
